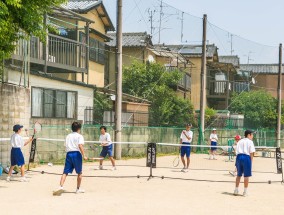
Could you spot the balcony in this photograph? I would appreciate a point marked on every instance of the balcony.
(58, 55)
(224, 89)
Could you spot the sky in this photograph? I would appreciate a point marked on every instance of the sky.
(255, 25)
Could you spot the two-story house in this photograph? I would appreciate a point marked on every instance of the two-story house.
(138, 46)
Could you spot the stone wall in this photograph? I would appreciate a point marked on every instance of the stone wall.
(14, 109)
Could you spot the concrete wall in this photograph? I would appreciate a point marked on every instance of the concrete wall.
(14, 109)
(85, 95)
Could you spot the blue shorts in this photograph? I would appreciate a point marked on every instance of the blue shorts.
(107, 150)
(17, 157)
(185, 150)
(73, 161)
(243, 164)
(213, 144)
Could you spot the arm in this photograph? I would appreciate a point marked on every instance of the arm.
(107, 141)
(251, 156)
(82, 152)
(28, 141)
(189, 138)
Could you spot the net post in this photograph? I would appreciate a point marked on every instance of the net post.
(151, 158)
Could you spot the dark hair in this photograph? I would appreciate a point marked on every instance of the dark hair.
(247, 132)
(76, 126)
(103, 127)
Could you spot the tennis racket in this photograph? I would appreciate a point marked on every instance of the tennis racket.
(37, 128)
(95, 147)
(176, 160)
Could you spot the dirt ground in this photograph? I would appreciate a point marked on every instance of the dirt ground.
(123, 196)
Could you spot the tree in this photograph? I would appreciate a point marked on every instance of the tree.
(259, 108)
(24, 15)
(154, 83)
(101, 103)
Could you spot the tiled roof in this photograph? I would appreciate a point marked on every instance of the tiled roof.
(193, 50)
(260, 68)
(136, 39)
(233, 59)
(80, 5)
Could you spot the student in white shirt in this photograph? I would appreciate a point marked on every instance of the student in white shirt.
(186, 138)
(213, 141)
(245, 151)
(17, 157)
(75, 152)
(107, 148)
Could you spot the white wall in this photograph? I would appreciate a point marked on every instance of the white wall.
(85, 94)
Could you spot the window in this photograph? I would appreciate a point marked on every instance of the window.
(50, 103)
(97, 49)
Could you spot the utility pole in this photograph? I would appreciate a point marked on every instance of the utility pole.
(118, 98)
(279, 96)
(232, 44)
(203, 82)
(160, 22)
(181, 33)
(151, 21)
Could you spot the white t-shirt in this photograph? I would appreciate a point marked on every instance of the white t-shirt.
(245, 146)
(17, 141)
(184, 138)
(105, 138)
(73, 141)
(213, 136)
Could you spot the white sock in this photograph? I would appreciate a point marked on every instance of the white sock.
(237, 188)
(245, 190)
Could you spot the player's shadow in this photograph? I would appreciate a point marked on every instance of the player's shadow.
(230, 194)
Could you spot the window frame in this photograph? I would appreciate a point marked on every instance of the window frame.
(54, 103)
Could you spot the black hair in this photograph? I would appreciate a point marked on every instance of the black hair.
(76, 126)
(103, 127)
(247, 132)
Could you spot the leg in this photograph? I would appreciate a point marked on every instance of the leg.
(101, 161)
(10, 171)
(112, 161)
(246, 182)
(238, 179)
(188, 162)
(23, 170)
(62, 180)
(79, 180)
(183, 161)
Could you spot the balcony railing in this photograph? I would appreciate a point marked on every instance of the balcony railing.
(225, 88)
(58, 52)
(185, 82)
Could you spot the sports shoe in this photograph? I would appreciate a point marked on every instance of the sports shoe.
(80, 191)
(8, 179)
(113, 168)
(183, 169)
(58, 192)
(101, 168)
(186, 170)
(24, 179)
(245, 194)
(236, 192)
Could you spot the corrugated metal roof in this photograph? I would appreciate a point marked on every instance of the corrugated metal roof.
(233, 59)
(193, 50)
(136, 39)
(80, 5)
(260, 68)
